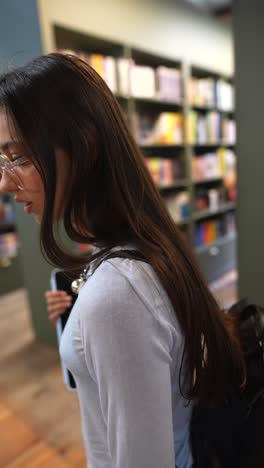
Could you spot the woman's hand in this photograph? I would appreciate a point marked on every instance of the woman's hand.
(57, 303)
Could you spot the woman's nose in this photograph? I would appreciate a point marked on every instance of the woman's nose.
(7, 184)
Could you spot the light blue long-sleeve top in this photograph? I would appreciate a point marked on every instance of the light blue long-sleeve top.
(123, 345)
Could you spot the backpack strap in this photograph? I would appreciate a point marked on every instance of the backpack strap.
(125, 253)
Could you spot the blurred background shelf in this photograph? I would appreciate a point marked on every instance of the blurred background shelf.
(209, 213)
(218, 258)
(208, 181)
(218, 243)
(175, 185)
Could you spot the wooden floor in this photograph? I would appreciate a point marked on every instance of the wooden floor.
(39, 418)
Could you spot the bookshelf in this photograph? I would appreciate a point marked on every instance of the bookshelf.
(183, 119)
(211, 138)
(162, 100)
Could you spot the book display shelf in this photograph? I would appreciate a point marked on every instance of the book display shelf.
(182, 117)
(211, 138)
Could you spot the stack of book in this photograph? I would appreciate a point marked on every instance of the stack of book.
(209, 199)
(169, 84)
(165, 171)
(178, 206)
(209, 92)
(224, 96)
(163, 83)
(158, 129)
(201, 92)
(123, 73)
(208, 232)
(125, 77)
(228, 131)
(220, 163)
(228, 163)
(206, 166)
(203, 128)
(227, 159)
(142, 81)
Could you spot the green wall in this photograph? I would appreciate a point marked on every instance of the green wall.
(20, 41)
(249, 80)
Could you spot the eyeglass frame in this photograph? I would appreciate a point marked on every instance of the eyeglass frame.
(9, 166)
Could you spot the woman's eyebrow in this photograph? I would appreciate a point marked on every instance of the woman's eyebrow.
(6, 146)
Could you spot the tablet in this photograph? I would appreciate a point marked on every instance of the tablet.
(59, 281)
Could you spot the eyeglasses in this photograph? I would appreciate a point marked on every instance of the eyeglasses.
(11, 168)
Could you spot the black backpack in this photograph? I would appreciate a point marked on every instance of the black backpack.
(230, 435)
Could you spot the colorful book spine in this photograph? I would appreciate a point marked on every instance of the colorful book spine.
(169, 84)
(123, 72)
(224, 96)
(207, 166)
(165, 128)
(229, 131)
(178, 205)
(142, 81)
(165, 171)
(201, 92)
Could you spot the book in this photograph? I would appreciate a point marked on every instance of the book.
(224, 95)
(142, 81)
(110, 73)
(165, 171)
(178, 205)
(169, 84)
(207, 166)
(163, 128)
(123, 71)
(201, 92)
(228, 131)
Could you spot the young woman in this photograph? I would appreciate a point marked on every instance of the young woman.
(145, 338)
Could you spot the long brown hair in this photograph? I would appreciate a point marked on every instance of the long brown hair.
(60, 101)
